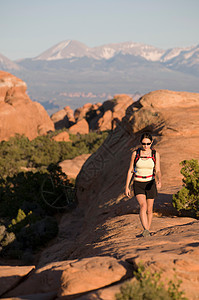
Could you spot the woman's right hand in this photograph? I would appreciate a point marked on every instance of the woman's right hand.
(127, 192)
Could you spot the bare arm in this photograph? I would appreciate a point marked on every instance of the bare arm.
(130, 174)
(158, 172)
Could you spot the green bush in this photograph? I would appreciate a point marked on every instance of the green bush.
(187, 199)
(31, 237)
(30, 199)
(23, 191)
(37, 154)
(29, 221)
(147, 286)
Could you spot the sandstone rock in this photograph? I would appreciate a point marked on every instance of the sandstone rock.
(80, 112)
(10, 276)
(80, 127)
(18, 114)
(63, 118)
(105, 122)
(110, 111)
(72, 166)
(69, 113)
(90, 274)
(99, 116)
(74, 276)
(62, 137)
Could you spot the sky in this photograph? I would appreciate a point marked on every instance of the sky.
(29, 28)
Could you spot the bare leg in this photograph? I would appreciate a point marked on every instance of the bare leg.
(149, 211)
(143, 209)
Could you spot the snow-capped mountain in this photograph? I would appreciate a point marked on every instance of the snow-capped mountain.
(71, 49)
(68, 72)
(74, 49)
(6, 64)
(63, 50)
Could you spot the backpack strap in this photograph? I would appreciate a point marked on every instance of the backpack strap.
(137, 156)
(154, 155)
(154, 159)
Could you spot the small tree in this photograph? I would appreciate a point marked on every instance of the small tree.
(188, 197)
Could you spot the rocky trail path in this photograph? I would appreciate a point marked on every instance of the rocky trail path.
(95, 260)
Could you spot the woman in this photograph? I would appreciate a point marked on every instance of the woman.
(145, 166)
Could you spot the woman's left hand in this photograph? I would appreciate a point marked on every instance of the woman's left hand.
(159, 185)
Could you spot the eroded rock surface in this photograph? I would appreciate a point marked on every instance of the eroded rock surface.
(74, 276)
(18, 114)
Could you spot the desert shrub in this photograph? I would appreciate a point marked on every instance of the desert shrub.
(31, 237)
(92, 141)
(29, 200)
(37, 154)
(28, 221)
(23, 190)
(187, 199)
(147, 286)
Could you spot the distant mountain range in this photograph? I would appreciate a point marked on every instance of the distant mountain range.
(70, 73)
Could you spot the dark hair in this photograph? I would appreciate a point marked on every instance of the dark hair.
(146, 135)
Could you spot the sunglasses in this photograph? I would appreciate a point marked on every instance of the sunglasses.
(146, 144)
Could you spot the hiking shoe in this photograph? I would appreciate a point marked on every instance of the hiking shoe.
(146, 233)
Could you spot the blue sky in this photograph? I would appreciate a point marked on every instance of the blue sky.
(30, 27)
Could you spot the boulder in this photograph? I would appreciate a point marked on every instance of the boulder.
(111, 112)
(92, 273)
(80, 112)
(80, 127)
(63, 118)
(71, 167)
(18, 114)
(62, 137)
(105, 122)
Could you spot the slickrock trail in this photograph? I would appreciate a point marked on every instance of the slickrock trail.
(99, 243)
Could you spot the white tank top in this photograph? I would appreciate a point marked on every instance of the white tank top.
(144, 167)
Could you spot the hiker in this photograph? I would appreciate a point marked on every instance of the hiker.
(145, 169)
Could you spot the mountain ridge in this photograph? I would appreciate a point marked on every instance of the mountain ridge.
(108, 51)
(72, 68)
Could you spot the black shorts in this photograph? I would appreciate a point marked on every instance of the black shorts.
(147, 188)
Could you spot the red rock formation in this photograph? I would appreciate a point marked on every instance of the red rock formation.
(99, 116)
(62, 137)
(63, 118)
(80, 127)
(18, 114)
(110, 113)
(80, 112)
